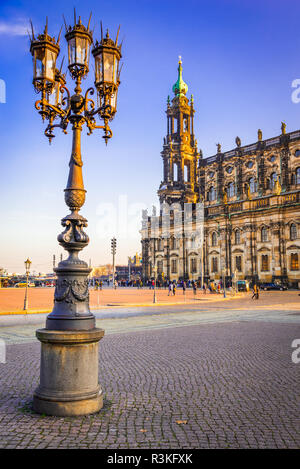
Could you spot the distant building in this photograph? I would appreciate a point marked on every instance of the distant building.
(132, 271)
(251, 197)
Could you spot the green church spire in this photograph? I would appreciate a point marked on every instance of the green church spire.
(180, 88)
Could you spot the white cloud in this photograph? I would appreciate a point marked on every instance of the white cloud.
(13, 29)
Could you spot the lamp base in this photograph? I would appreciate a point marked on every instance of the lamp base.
(69, 373)
(67, 409)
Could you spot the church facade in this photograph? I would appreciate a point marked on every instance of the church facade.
(251, 200)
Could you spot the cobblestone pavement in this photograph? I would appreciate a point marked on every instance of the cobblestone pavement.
(219, 385)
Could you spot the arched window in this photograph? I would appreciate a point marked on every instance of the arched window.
(175, 172)
(293, 179)
(212, 194)
(298, 176)
(193, 266)
(230, 189)
(214, 239)
(185, 173)
(214, 264)
(293, 231)
(252, 185)
(160, 245)
(264, 263)
(185, 125)
(237, 236)
(273, 180)
(174, 266)
(294, 262)
(238, 263)
(264, 234)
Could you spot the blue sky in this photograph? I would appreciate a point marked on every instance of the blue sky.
(239, 60)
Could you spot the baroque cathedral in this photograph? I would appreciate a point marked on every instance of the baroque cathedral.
(251, 199)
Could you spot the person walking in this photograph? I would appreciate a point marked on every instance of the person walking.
(195, 288)
(174, 288)
(257, 292)
(254, 291)
(183, 287)
(170, 288)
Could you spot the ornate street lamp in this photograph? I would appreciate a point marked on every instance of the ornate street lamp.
(69, 364)
(27, 269)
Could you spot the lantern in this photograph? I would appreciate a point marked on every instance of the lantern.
(79, 42)
(107, 55)
(27, 265)
(54, 95)
(44, 50)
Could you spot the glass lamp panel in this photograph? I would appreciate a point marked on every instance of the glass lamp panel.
(98, 68)
(39, 66)
(87, 53)
(50, 65)
(80, 50)
(72, 51)
(113, 100)
(99, 100)
(116, 67)
(108, 65)
(54, 95)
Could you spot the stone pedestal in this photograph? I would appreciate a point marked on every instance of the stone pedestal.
(69, 373)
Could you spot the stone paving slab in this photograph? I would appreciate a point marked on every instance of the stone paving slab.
(233, 384)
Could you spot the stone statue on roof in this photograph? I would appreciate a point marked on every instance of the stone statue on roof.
(259, 135)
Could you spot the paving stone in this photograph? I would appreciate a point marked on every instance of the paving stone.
(234, 383)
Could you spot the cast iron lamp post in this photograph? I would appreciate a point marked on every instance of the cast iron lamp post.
(27, 269)
(69, 361)
(154, 292)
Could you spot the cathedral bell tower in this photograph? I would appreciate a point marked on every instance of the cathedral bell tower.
(180, 154)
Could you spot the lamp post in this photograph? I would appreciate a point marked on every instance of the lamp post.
(224, 285)
(154, 292)
(129, 272)
(69, 354)
(113, 251)
(235, 281)
(27, 269)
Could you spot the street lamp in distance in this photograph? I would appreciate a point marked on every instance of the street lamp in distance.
(154, 293)
(27, 269)
(113, 251)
